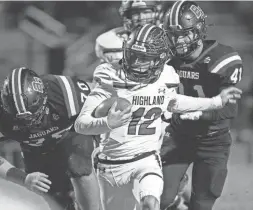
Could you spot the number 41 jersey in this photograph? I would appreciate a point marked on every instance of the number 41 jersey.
(217, 67)
(148, 101)
(66, 96)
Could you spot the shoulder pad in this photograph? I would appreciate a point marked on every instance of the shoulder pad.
(112, 77)
(220, 57)
(228, 64)
(224, 61)
(104, 73)
(170, 77)
(68, 92)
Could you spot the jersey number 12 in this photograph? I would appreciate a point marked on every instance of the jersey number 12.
(149, 117)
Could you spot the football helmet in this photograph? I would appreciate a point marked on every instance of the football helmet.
(145, 53)
(185, 25)
(138, 12)
(24, 96)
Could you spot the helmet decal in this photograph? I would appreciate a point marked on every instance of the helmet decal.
(37, 85)
(197, 11)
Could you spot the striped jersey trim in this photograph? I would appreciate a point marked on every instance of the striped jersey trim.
(75, 94)
(69, 94)
(224, 61)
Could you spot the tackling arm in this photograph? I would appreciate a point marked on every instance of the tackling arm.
(227, 112)
(182, 104)
(11, 173)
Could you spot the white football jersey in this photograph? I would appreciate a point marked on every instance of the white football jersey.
(108, 45)
(142, 132)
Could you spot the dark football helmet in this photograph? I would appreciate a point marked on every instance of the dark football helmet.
(145, 53)
(185, 25)
(137, 12)
(24, 96)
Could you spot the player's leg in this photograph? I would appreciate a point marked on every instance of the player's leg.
(209, 172)
(177, 154)
(149, 182)
(116, 191)
(79, 149)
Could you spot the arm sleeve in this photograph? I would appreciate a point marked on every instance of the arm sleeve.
(87, 124)
(227, 112)
(182, 104)
(231, 77)
(4, 167)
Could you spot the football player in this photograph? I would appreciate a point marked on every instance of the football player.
(108, 45)
(128, 154)
(203, 138)
(39, 112)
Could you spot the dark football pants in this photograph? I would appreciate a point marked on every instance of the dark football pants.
(70, 158)
(209, 156)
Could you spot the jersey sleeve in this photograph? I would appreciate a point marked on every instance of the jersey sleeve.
(230, 67)
(182, 104)
(67, 93)
(172, 79)
(85, 123)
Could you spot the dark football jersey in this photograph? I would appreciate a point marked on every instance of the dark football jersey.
(66, 96)
(218, 66)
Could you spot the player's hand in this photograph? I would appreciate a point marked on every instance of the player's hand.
(118, 118)
(191, 115)
(230, 95)
(38, 182)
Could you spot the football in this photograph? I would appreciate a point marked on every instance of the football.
(103, 108)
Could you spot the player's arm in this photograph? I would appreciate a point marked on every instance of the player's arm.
(11, 173)
(182, 104)
(227, 112)
(86, 123)
(233, 77)
(7, 170)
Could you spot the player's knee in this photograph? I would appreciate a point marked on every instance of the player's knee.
(149, 202)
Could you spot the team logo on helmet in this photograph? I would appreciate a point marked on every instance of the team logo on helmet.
(37, 85)
(197, 11)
